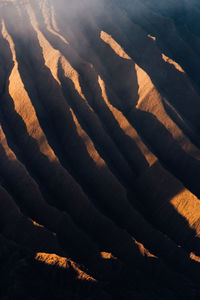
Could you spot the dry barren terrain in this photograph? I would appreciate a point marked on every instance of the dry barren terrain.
(100, 149)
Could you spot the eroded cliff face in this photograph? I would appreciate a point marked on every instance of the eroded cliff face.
(99, 149)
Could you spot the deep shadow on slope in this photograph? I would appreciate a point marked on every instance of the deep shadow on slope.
(167, 38)
(166, 79)
(177, 155)
(26, 277)
(28, 144)
(166, 138)
(120, 243)
(147, 241)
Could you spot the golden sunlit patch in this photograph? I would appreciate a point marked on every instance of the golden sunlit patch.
(114, 45)
(88, 143)
(107, 255)
(151, 101)
(143, 250)
(172, 62)
(188, 206)
(151, 37)
(126, 126)
(50, 55)
(62, 262)
(49, 18)
(194, 257)
(22, 102)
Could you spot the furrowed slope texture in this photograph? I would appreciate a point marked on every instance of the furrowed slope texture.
(100, 149)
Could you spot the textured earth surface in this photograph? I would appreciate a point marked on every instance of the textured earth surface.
(100, 149)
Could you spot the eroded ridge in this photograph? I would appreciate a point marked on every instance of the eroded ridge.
(99, 149)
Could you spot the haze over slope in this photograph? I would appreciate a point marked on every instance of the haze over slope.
(99, 149)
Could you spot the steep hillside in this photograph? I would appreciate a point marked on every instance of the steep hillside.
(99, 149)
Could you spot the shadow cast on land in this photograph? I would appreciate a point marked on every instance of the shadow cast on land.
(167, 37)
(122, 243)
(88, 80)
(161, 142)
(70, 237)
(165, 77)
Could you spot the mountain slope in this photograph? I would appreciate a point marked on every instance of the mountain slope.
(99, 148)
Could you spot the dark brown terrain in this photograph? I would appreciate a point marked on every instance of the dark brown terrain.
(100, 149)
